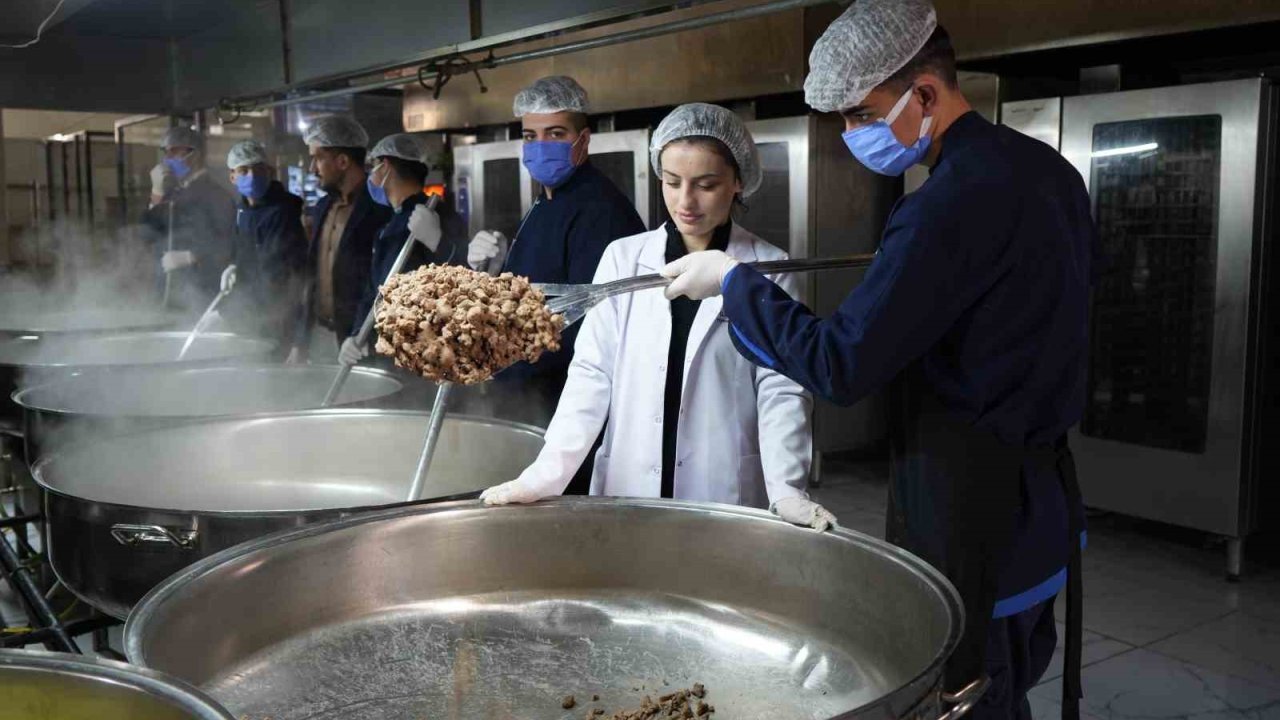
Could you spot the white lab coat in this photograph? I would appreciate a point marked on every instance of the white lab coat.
(744, 435)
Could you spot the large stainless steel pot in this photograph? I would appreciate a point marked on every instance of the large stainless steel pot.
(84, 407)
(19, 321)
(38, 685)
(26, 361)
(127, 512)
(461, 611)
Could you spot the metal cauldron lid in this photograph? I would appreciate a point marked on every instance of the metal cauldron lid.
(155, 684)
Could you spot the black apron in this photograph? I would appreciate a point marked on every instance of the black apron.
(954, 498)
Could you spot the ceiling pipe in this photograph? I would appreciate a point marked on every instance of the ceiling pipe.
(290, 97)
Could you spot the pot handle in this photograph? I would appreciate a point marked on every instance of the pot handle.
(127, 534)
(964, 700)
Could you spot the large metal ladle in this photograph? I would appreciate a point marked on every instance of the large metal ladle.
(573, 301)
(227, 283)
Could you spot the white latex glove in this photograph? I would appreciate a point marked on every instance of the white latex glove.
(803, 512)
(514, 491)
(177, 259)
(294, 357)
(698, 275)
(162, 181)
(351, 353)
(228, 279)
(487, 251)
(424, 225)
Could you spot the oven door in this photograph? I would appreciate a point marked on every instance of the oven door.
(1172, 175)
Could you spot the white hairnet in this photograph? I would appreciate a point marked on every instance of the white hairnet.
(710, 121)
(557, 93)
(182, 137)
(246, 152)
(401, 145)
(336, 131)
(865, 46)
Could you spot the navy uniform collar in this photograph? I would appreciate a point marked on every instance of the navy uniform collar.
(586, 173)
(966, 129)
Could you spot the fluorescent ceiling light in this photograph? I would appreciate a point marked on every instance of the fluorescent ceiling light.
(1125, 150)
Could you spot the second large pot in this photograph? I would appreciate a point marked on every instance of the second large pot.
(127, 512)
(89, 406)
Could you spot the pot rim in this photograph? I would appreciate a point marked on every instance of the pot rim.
(22, 396)
(938, 584)
(38, 469)
(152, 682)
(144, 319)
(261, 347)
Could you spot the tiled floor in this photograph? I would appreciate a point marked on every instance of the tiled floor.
(1167, 638)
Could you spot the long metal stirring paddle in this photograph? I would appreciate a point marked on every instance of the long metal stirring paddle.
(366, 328)
(573, 301)
(228, 281)
(443, 390)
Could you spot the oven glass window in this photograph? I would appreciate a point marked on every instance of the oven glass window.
(1155, 197)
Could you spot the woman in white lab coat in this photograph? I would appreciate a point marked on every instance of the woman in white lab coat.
(688, 416)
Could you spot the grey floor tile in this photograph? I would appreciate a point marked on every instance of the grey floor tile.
(1136, 613)
(1042, 708)
(1141, 684)
(1096, 649)
(1240, 645)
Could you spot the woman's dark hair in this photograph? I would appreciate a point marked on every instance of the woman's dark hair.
(414, 172)
(718, 147)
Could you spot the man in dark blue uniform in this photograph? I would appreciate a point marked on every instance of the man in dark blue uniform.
(345, 224)
(270, 247)
(396, 181)
(190, 219)
(577, 213)
(974, 317)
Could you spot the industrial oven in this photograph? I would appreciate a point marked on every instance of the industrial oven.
(1179, 394)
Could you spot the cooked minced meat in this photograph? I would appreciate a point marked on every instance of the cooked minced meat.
(452, 323)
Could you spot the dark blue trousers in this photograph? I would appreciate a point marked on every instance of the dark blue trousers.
(1019, 648)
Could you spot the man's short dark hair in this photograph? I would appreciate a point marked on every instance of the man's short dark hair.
(356, 154)
(580, 121)
(937, 57)
(414, 172)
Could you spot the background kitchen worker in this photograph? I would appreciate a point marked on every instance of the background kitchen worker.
(345, 224)
(722, 430)
(974, 315)
(270, 247)
(203, 217)
(396, 180)
(576, 214)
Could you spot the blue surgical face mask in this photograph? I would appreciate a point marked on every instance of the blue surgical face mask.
(878, 148)
(179, 166)
(550, 162)
(253, 185)
(376, 190)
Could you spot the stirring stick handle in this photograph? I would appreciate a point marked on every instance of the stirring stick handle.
(366, 327)
(429, 444)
